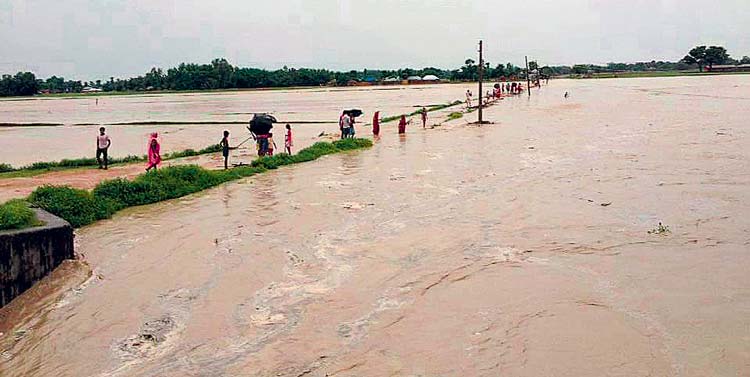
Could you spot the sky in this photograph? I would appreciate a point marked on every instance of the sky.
(96, 39)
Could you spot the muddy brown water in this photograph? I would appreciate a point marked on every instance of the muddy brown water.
(519, 248)
(81, 117)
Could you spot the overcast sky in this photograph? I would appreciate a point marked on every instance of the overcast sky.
(90, 39)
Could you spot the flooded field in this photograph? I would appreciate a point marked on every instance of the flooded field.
(310, 111)
(520, 248)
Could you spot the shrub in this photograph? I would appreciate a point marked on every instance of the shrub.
(455, 115)
(167, 183)
(78, 207)
(4, 168)
(349, 144)
(16, 214)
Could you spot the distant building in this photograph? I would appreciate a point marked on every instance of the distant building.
(430, 79)
(88, 89)
(391, 81)
(729, 68)
(414, 80)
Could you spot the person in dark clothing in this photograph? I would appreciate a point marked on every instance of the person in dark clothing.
(225, 149)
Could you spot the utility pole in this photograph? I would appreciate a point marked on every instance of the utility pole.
(481, 78)
(528, 78)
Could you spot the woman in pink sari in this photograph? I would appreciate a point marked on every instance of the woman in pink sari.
(154, 155)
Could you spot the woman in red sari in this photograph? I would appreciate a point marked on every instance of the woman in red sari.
(376, 124)
(402, 125)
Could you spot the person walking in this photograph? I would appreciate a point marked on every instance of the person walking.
(288, 143)
(424, 117)
(154, 152)
(468, 98)
(102, 146)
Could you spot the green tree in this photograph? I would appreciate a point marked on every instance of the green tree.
(716, 55)
(696, 56)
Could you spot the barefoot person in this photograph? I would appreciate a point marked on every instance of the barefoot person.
(154, 152)
(225, 149)
(424, 117)
(288, 143)
(468, 99)
(102, 146)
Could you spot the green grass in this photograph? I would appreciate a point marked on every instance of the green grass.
(16, 214)
(7, 171)
(81, 207)
(417, 112)
(455, 115)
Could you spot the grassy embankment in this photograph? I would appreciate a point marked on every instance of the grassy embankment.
(82, 207)
(417, 112)
(8, 171)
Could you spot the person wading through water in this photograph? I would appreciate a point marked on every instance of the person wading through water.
(424, 117)
(154, 152)
(102, 146)
(402, 125)
(376, 124)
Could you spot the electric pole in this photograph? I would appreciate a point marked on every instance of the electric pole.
(481, 78)
(528, 78)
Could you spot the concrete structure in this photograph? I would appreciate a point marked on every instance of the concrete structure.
(28, 255)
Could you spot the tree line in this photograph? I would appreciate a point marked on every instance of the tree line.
(220, 74)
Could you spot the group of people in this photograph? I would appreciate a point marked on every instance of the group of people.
(497, 91)
(402, 122)
(346, 125)
(265, 145)
(103, 142)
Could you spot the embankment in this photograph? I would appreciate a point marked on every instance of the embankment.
(28, 255)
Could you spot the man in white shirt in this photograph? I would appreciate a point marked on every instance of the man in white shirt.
(102, 145)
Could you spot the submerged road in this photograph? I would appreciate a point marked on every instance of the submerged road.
(520, 248)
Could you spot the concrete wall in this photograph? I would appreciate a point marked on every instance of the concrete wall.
(28, 255)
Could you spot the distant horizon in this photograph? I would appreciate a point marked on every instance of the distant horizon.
(475, 58)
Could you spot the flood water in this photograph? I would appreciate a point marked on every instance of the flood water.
(520, 248)
(80, 118)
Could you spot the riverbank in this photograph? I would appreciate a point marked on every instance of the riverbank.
(80, 207)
